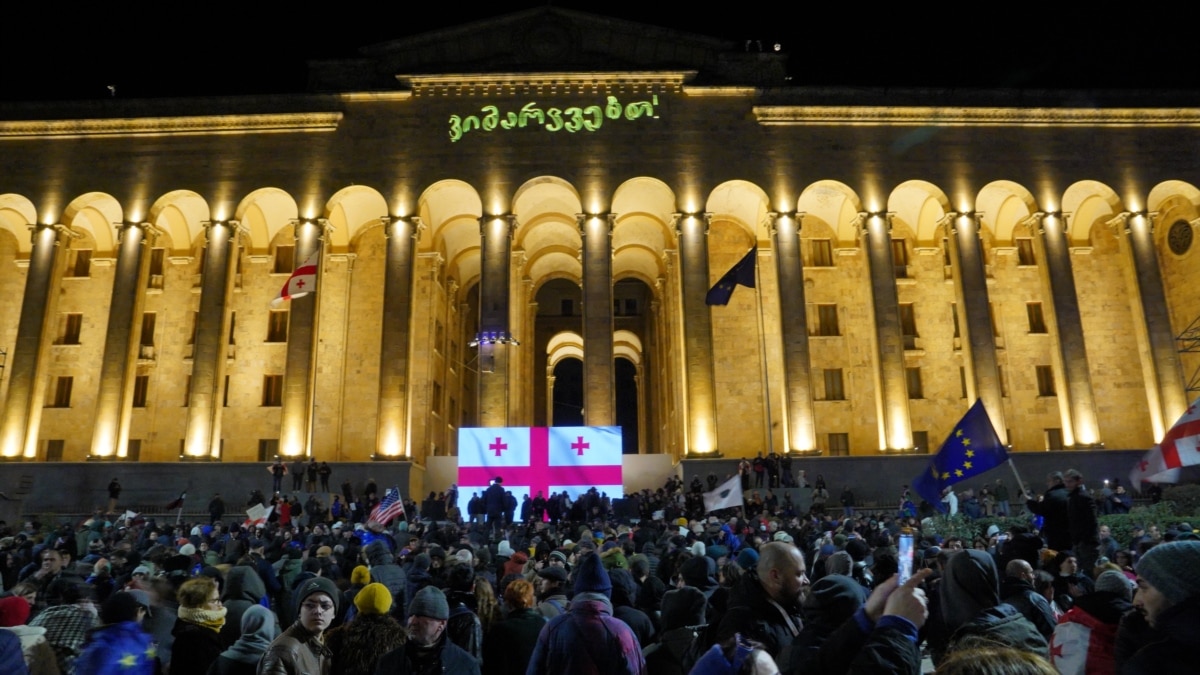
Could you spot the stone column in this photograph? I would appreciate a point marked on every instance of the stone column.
(1164, 376)
(393, 435)
(295, 433)
(494, 340)
(891, 389)
(599, 395)
(699, 388)
(203, 440)
(639, 381)
(26, 361)
(800, 426)
(971, 292)
(550, 378)
(114, 403)
(1052, 246)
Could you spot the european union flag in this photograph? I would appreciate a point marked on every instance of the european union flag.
(741, 273)
(971, 449)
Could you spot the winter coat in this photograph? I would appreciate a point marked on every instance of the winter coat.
(195, 648)
(118, 649)
(296, 652)
(358, 645)
(11, 660)
(1085, 639)
(384, 570)
(510, 642)
(1005, 625)
(243, 588)
(453, 660)
(1031, 604)
(587, 640)
(1175, 651)
(39, 657)
(464, 627)
(754, 616)
(1053, 510)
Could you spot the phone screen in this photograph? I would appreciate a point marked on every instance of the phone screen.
(906, 556)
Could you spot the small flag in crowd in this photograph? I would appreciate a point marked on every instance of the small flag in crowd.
(389, 508)
(971, 449)
(178, 503)
(258, 515)
(302, 282)
(1179, 448)
(727, 495)
(741, 273)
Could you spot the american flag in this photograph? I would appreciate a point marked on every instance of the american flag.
(389, 508)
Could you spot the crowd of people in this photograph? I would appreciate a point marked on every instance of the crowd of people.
(557, 585)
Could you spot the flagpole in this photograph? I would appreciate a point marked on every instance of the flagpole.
(1020, 484)
(762, 355)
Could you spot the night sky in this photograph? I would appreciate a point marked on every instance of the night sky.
(155, 50)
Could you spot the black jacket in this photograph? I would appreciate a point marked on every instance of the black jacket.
(1031, 604)
(752, 614)
(1055, 519)
(450, 659)
(1174, 651)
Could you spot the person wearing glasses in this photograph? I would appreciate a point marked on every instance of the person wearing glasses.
(197, 631)
(301, 650)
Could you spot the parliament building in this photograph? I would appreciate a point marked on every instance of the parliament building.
(516, 222)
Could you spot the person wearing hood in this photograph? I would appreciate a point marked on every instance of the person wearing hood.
(588, 639)
(257, 630)
(830, 602)
(464, 627)
(119, 646)
(384, 570)
(624, 597)
(243, 589)
(300, 649)
(765, 605)
(358, 645)
(1085, 639)
(680, 643)
(38, 656)
(971, 608)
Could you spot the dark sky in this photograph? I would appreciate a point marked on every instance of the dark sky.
(261, 47)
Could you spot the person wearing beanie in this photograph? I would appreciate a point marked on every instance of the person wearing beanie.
(427, 649)
(358, 645)
(588, 638)
(386, 571)
(197, 630)
(551, 591)
(119, 645)
(300, 650)
(1084, 641)
(464, 627)
(1168, 595)
(37, 653)
(359, 577)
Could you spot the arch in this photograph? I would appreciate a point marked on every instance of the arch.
(835, 205)
(1090, 203)
(542, 195)
(180, 214)
(17, 214)
(95, 213)
(352, 210)
(921, 206)
(1003, 205)
(743, 203)
(445, 204)
(1173, 200)
(647, 196)
(263, 213)
(627, 345)
(554, 264)
(564, 345)
(637, 263)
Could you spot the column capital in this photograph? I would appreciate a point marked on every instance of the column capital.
(581, 218)
(773, 218)
(418, 225)
(510, 220)
(677, 218)
(864, 217)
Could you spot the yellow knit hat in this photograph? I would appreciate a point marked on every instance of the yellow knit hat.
(373, 599)
(361, 576)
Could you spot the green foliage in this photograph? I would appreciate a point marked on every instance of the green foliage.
(1184, 498)
(1161, 514)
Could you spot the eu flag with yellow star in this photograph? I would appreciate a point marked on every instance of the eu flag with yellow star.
(971, 449)
(741, 273)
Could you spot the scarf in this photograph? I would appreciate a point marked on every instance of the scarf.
(209, 618)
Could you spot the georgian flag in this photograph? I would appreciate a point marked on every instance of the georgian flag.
(302, 282)
(539, 459)
(1179, 448)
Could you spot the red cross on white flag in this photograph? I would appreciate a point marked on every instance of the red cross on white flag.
(1179, 448)
(545, 459)
(302, 282)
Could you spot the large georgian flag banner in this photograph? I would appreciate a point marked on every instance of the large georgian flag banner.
(545, 459)
(1164, 463)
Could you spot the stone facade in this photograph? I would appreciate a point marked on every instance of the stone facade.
(518, 190)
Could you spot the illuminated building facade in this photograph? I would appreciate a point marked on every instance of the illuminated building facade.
(509, 210)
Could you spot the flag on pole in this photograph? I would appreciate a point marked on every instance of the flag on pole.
(129, 517)
(258, 515)
(390, 507)
(178, 503)
(727, 495)
(540, 459)
(1179, 448)
(302, 282)
(741, 273)
(971, 449)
